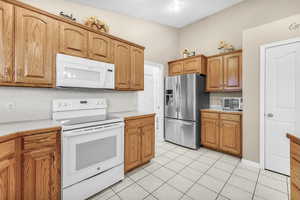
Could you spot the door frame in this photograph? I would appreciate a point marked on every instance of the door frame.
(262, 133)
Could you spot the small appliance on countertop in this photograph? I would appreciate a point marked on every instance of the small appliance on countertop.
(92, 147)
(232, 104)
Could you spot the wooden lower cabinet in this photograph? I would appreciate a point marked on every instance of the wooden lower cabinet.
(148, 143)
(139, 141)
(132, 148)
(30, 169)
(295, 167)
(40, 174)
(230, 136)
(210, 133)
(8, 187)
(222, 132)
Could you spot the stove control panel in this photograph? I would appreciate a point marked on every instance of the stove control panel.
(78, 104)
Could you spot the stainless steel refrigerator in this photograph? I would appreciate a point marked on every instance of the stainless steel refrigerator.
(184, 97)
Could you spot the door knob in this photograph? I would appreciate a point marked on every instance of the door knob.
(270, 115)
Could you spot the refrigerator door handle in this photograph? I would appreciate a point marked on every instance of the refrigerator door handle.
(179, 95)
(187, 123)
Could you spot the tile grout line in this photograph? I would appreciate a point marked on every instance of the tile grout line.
(196, 182)
(177, 173)
(253, 195)
(226, 182)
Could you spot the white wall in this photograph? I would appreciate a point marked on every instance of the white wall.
(252, 40)
(161, 44)
(230, 23)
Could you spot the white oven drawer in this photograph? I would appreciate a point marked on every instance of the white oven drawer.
(91, 151)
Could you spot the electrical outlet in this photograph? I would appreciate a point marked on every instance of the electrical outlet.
(11, 106)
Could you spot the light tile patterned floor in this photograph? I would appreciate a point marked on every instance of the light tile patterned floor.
(177, 173)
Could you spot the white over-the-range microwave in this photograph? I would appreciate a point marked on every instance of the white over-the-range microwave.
(79, 72)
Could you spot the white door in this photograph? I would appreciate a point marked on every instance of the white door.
(151, 99)
(281, 104)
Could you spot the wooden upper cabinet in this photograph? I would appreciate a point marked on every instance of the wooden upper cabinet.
(214, 74)
(40, 175)
(210, 132)
(230, 136)
(224, 72)
(137, 69)
(6, 42)
(122, 65)
(35, 47)
(233, 71)
(175, 68)
(99, 48)
(73, 40)
(195, 64)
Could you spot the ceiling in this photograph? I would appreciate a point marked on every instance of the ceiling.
(175, 13)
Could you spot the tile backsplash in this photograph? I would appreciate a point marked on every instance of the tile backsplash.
(216, 98)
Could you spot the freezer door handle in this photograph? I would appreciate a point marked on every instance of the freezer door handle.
(187, 123)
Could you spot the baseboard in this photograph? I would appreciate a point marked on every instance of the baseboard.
(250, 163)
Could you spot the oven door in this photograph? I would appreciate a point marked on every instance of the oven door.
(90, 151)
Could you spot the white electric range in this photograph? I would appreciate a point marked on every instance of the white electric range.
(92, 147)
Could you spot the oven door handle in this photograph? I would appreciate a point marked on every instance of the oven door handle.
(92, 130)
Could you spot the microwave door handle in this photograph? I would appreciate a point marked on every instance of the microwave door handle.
(92, 130)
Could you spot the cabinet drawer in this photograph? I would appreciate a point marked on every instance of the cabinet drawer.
(39, 140)
(231, 117)
(295, 150)
(210, 115)
(140, 122)
(295, 172)
(7, 148)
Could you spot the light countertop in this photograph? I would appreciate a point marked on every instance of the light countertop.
(221, 111)
(17, 127)
(130, 114)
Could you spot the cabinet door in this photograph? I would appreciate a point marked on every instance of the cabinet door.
(210, 133)
(192, 66)
(233, 71)
(230, 137)
(35, 47)
(73, 40)
(99, 47)
(148, 142)
(132, 148)
(122, 65)
(214, 74)
(40, 175)
(175, 68)
(137, 69)
(6, 42)
(8, 179)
